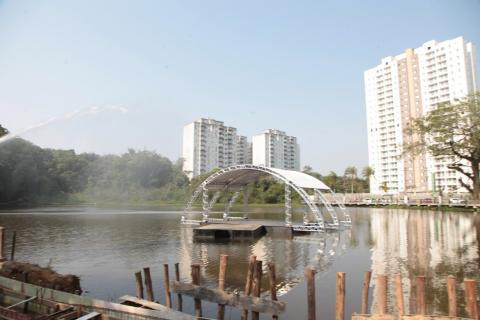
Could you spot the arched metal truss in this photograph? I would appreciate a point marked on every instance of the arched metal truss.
(236, 178)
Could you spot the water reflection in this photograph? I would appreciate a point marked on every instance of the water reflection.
(105, 247)
(424, 243)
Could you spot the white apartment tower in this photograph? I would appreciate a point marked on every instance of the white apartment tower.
(403, 88)
(273, 148)
(208, 144)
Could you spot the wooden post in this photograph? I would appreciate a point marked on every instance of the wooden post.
(14, 241)
(166, 279)
(399, 295)
(452, 296)
(138, 280)
(2, 244)
(273, 284)
(249, 282)
(221, 283)
(340, 298)
(421, 304)
(148, 284)
(196, 281)
(382, 294)
(257, 285)
(310, 275)
(471, 298)
(25, 279)
(179, 296)
(366, 286)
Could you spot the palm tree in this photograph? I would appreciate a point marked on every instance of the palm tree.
(351, 173)
(3, 131)
(367, 172)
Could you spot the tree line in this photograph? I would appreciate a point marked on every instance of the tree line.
(31, 175)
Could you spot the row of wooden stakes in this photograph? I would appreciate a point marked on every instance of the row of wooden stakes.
(382, 301)
(250, 301)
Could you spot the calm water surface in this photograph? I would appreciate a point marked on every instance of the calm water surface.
(105, 247)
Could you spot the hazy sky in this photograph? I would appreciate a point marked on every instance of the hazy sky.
(296, 66)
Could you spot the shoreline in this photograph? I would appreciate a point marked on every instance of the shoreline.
(218, 207)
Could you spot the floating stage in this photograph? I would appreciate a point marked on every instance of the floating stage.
(228, 230)
(250, 229)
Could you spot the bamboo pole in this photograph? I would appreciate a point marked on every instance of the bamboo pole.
(399, 295)
(166, 278)
(421, 304)
(179, 296)
(196, 281)
(366, 286)
(148, 284)
(139, 286)
(340, 297)
(452, 296)
(221, 283)
(14, 241)
(310, 275)
(249, 282)
(273, 284)
(471, 298)
(382, 294)
(257, 285)
(2, 244)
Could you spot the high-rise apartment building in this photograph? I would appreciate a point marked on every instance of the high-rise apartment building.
(208, 144)
(273, 148)
(401, 89)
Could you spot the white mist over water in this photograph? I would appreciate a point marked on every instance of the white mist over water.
(65, 117)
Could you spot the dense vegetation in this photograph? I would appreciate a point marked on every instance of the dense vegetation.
(30, 175)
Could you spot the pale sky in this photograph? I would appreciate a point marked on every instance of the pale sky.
(296, 66)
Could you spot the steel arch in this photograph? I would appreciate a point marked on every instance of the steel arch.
(204, 186)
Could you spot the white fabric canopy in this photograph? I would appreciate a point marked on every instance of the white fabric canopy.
(301, 179)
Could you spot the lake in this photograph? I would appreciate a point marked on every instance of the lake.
(105, 247)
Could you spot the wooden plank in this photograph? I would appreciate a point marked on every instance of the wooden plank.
(255, 304)
(91, 315)
(22, 302)
(106, 308)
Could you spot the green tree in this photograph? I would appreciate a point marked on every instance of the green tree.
(384, 187)
(3, 131)
(351, 174)
(367, 172)
(451, 132)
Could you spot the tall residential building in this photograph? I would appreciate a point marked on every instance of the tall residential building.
(403, 88)
(273, 148)
(208, 144)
